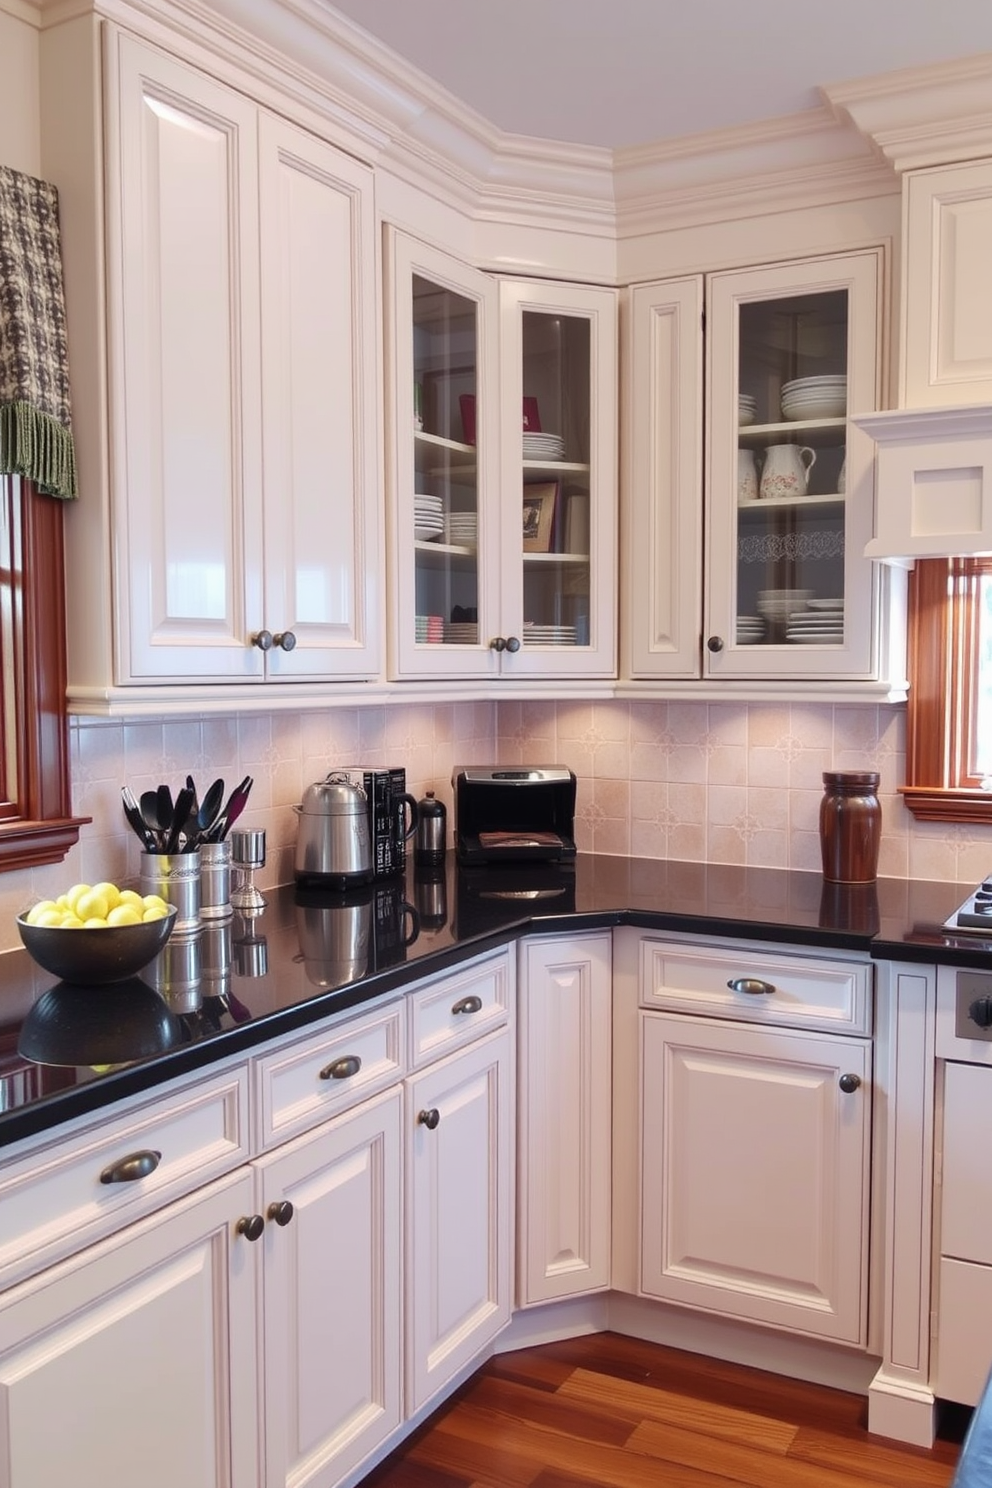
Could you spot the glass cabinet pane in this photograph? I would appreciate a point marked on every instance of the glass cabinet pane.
(446, 486)
(555, 457)
(791, 447)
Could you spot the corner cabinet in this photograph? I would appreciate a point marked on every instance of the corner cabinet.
(241, 535)
(501, 471)
(779, 587)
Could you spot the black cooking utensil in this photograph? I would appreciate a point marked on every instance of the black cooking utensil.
(236, 803)
(181, 815)
(148, 805)
(166, 811)
(136, 821)
(209, 810)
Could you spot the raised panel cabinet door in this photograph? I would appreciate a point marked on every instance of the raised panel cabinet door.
(458, 1212)
(135, 1362)
(661, 492)
(331, 1287)
(564, 1092)
(755, 1173)
(320, 397)
(185, 396)
(947, 312)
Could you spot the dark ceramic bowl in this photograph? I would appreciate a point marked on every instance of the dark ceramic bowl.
(128, 1021)
(90, 958)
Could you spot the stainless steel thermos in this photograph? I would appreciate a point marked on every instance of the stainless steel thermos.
(432, 832)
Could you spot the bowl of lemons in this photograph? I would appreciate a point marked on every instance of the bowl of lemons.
(96, 933)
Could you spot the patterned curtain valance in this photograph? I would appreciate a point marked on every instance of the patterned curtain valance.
(35, 411)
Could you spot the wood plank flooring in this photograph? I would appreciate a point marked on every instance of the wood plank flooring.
(619, 1413)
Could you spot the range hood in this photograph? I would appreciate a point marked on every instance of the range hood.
(933, 482)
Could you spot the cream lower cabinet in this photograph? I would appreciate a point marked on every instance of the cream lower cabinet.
(459, 1208)
(332, 1268)
(755, 1089)
(135, 1361)
(564, 1119)
(240, 542)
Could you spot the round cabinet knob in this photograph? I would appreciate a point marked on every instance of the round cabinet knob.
(262, 639)
(714, 643)
(281, 1212)
(497, 644)
(513, 643)
(251, 1226)
(849, 1083)
(980, 1012)
(430, 1118)
(285, 640)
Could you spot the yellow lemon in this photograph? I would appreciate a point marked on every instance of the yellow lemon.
(110, 892)
(123, 914)
(62, 902)
(44, 906)
(71, 921)
(132, 897)
(91, 906)
(154, 912)
(51, 916)
(73, 895)
(155, 901)
(96, 922)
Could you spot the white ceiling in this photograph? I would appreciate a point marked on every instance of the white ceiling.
(632, 72)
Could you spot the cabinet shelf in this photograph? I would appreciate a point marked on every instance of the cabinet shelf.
(549, 559)
(771, 503)
(816, 431)
(426, 447)
(441, 552)
(549, 469)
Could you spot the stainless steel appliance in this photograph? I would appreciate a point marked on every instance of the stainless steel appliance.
(509, 814)
(333, 845)
(974, 916)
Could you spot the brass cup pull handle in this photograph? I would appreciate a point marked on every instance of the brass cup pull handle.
(342, 1069)
(752, 986)
(129, 1169)
(470, 1004)
(429, 1118)
(281, 1211)
(849, 1083)
(251, 1226)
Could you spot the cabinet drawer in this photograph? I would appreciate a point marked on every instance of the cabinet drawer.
(964, 1331)
(806, 991)
(59, 1196)
(299, 1086)
(453, 1010)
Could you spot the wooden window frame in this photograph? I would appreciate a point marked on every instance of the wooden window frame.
(940, 720)
(38, 825)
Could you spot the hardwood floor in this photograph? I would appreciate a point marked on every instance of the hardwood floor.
(620, 1413)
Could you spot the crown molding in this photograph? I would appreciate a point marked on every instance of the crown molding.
(799, 161)
(922, 116)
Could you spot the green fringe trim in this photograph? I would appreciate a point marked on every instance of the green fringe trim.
(36, 445)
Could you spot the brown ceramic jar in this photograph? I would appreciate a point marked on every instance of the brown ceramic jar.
(850, 826)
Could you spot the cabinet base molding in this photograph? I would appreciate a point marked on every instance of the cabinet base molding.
(904, 1411)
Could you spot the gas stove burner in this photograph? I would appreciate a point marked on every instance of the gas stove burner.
(975, 914)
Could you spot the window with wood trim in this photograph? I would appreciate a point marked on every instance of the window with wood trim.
(949, 717)
(36, 821)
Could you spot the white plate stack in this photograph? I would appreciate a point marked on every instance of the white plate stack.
(814, 398)
(750, 630)
(544, 447)
(461, 632)
(747, 409)
(462, 530)
(548, 635)
(428, 517)
(821, 623)
(429, 629)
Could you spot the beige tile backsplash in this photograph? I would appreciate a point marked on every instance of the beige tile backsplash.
(702, 781)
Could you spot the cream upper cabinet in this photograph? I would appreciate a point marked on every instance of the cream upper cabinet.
(947, 310)
(779, 588)
(241, 537)
(501, 466)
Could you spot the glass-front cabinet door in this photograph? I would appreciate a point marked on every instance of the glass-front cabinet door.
(443, 463)
(792, 348)
(502, 472)
(559, 471)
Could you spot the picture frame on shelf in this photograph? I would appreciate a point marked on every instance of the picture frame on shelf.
(540, 505)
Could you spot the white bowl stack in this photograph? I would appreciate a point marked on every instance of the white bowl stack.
(814, 398)
(747, 409)
(428, 517)
(776, 605)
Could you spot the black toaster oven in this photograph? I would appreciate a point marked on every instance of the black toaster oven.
(522, 813)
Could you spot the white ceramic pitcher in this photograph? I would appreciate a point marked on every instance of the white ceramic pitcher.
(786, 469)
(747, 476)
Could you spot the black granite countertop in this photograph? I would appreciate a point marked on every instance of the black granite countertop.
(65, 1050)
